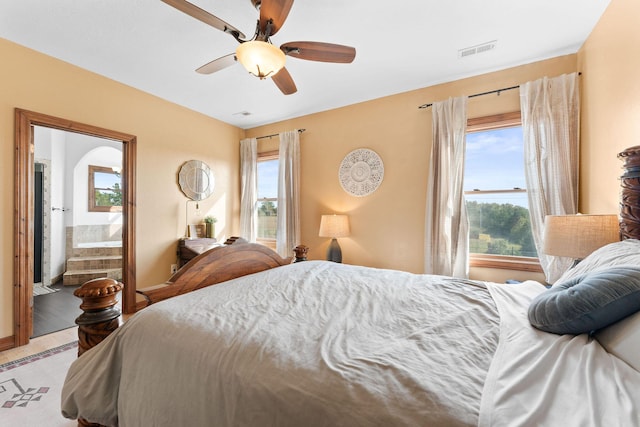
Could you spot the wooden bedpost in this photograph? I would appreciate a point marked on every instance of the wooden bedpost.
(630, 194)
(301, 253)
(85, 423)
(100, 316)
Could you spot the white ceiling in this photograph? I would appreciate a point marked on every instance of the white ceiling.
(401, 45)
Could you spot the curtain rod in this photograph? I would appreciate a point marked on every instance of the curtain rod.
(485, 93)
(479, 94)
(276, 134)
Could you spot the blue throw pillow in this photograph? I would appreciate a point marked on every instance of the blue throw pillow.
(588, 302)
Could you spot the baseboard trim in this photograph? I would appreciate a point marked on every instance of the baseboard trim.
(7, 343)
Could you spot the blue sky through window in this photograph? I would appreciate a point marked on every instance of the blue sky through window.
(495, 161)
(105, 180)
(268, 179)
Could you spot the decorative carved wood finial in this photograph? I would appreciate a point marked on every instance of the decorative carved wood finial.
(301, 253)
(100, 316)
(630, 194)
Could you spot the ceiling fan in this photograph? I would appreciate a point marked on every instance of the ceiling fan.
(258, 55)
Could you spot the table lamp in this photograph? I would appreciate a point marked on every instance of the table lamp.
(576, 236)
(334, 226)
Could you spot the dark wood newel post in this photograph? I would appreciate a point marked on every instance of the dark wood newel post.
(100, 316)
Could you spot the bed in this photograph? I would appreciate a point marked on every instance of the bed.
(316, 343)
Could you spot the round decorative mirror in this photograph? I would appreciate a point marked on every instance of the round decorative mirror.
(196, 180)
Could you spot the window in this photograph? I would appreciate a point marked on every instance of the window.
(105, 189)
(496, 196)
(267, 198)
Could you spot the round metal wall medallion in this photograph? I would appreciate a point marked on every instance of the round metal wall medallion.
(361, 172)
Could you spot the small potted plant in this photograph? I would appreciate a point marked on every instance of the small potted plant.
(210, 228)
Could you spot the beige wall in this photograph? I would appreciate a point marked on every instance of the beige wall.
(610, 65)
(388, 225)
(168, 135)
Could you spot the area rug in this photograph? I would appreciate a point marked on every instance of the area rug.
(30, 388)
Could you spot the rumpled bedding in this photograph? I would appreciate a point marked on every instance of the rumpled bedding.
(325, 344)
(309, 344)
(543, 379)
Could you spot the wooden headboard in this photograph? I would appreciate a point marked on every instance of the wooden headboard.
(630, 193)
(236, 258)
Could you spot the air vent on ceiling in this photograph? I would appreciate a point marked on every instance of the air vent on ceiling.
(242, 113)
(474, 50)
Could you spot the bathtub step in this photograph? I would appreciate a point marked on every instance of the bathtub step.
(78, 277)
(94, 262)
(83, 252)
(83, 268)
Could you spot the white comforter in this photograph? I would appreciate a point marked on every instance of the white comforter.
(324, 344)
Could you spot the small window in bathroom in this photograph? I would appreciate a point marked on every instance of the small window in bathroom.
(105, 189)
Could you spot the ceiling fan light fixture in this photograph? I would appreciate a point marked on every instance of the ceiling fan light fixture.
(260, 58)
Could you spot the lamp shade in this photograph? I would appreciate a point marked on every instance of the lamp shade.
(334, 226)
(576, 236)
(261, 59)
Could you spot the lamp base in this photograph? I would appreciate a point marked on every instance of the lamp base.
(334, 253)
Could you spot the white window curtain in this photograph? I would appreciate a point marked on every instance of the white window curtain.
(446, 223)
(249, 188)
(551, 126)
(288, 231)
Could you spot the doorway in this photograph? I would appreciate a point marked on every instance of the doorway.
(73, 243)
(25, 215)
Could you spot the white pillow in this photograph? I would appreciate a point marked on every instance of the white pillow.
(614, 254)
(622, 339)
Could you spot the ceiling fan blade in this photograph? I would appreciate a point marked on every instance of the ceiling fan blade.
(276, 10)
(285, 83)
(204, 16)
(318, 51)
(218, 64)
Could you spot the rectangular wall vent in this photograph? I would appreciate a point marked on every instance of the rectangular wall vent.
(474, 50)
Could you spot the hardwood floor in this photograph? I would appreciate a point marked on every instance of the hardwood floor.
(66, 308)
(36, 345)
(55, 312)
(54, 324)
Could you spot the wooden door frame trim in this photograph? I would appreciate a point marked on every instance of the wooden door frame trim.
(23, 212)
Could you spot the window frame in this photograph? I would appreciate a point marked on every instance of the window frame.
(92, 189)
(518, 263)
(262, 157)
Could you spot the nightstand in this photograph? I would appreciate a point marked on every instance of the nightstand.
(190, 248)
